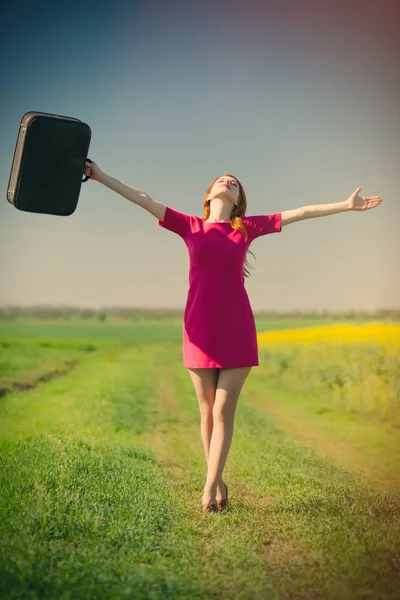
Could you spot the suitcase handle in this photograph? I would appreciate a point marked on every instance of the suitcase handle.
(87, 176)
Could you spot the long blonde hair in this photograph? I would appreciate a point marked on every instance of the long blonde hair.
(236, 215)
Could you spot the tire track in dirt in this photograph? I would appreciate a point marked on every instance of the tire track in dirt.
(12, 386)
(170, 439)
(347, 456)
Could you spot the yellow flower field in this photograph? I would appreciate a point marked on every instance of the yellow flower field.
(338, 333)
(354, 367)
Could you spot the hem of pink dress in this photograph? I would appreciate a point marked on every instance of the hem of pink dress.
(217, 366)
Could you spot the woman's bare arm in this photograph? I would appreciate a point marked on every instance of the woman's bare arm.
(134, 195)
(92, 170)
(312, 211)
(354, 202)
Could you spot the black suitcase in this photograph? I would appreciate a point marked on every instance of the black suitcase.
(48, 164)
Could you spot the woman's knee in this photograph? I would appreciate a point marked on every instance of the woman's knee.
(205, 385)
(230, 384)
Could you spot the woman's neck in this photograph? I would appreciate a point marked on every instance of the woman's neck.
(222, 221)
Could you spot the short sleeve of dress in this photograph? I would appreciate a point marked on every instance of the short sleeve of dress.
(259, 225)
(176, 222)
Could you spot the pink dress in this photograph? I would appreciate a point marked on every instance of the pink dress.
(219, 330)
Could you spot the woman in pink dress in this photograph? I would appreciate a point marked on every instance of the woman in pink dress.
(219, 332)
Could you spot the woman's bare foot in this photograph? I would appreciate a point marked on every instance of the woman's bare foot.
(221, 491)
(210, 496)
(208, 499)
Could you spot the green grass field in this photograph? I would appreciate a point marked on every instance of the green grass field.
(102, 471)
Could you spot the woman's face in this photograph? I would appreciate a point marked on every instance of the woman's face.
(225, 187)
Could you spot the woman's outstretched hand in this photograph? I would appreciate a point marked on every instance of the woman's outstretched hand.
(92, 170)
(356, 202)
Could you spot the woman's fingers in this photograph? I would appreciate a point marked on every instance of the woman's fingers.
(92, 170)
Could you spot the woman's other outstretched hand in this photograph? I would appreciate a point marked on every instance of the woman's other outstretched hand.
(356, 202)
(92, 170)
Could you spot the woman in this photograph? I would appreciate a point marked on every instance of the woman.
(219, 333)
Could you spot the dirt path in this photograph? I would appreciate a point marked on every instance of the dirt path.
(349, 446)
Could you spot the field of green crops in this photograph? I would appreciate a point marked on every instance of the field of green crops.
(102, 466)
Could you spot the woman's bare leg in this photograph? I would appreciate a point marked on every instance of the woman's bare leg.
(229, 386)
(205, 384)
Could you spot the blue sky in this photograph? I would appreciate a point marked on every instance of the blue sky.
(298, 100)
